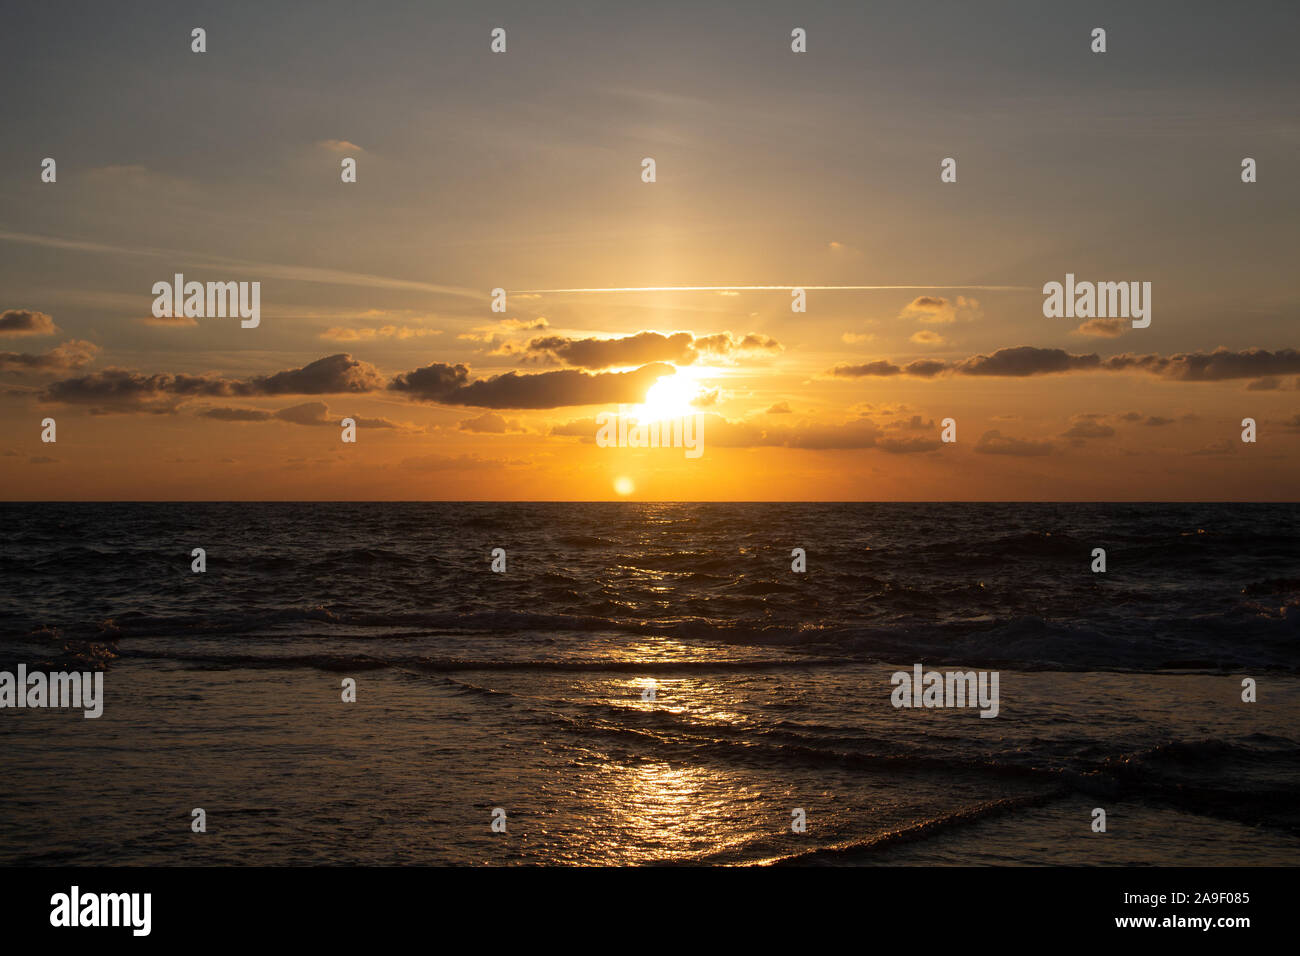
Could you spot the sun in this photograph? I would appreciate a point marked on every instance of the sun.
(668, 398)
(624, 486)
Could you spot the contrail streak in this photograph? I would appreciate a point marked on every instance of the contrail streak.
(263, 269)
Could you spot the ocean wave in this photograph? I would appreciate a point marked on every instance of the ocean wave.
(850, 850)
(1263, 639)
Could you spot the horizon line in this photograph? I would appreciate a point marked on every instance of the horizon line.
(778, 288)
(637, 501)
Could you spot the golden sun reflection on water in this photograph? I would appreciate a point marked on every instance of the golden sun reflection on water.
(702, 700)
(664, 812)
(661, 810)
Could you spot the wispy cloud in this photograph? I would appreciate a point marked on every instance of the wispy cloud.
(261, 270)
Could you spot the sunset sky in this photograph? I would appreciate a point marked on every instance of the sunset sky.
(522, 171)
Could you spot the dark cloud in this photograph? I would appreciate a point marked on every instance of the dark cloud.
(1017, 361)
(780, 408)
(450, 385)
(26, 322)
(236, 414)
(629, 350)
(679, 348)
(1022, 360)
(725, 344)
(433, 383)
(1220, 365)
(308, 413)
(332, 374)
(922, 368)
(925, 368)
(881, 368)
(120, 389)
(67, 357)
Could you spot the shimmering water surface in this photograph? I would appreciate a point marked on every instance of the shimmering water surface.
(525, 690)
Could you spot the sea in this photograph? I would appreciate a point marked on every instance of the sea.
(632, 683)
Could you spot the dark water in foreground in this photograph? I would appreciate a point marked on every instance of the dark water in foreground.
(525, 690)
